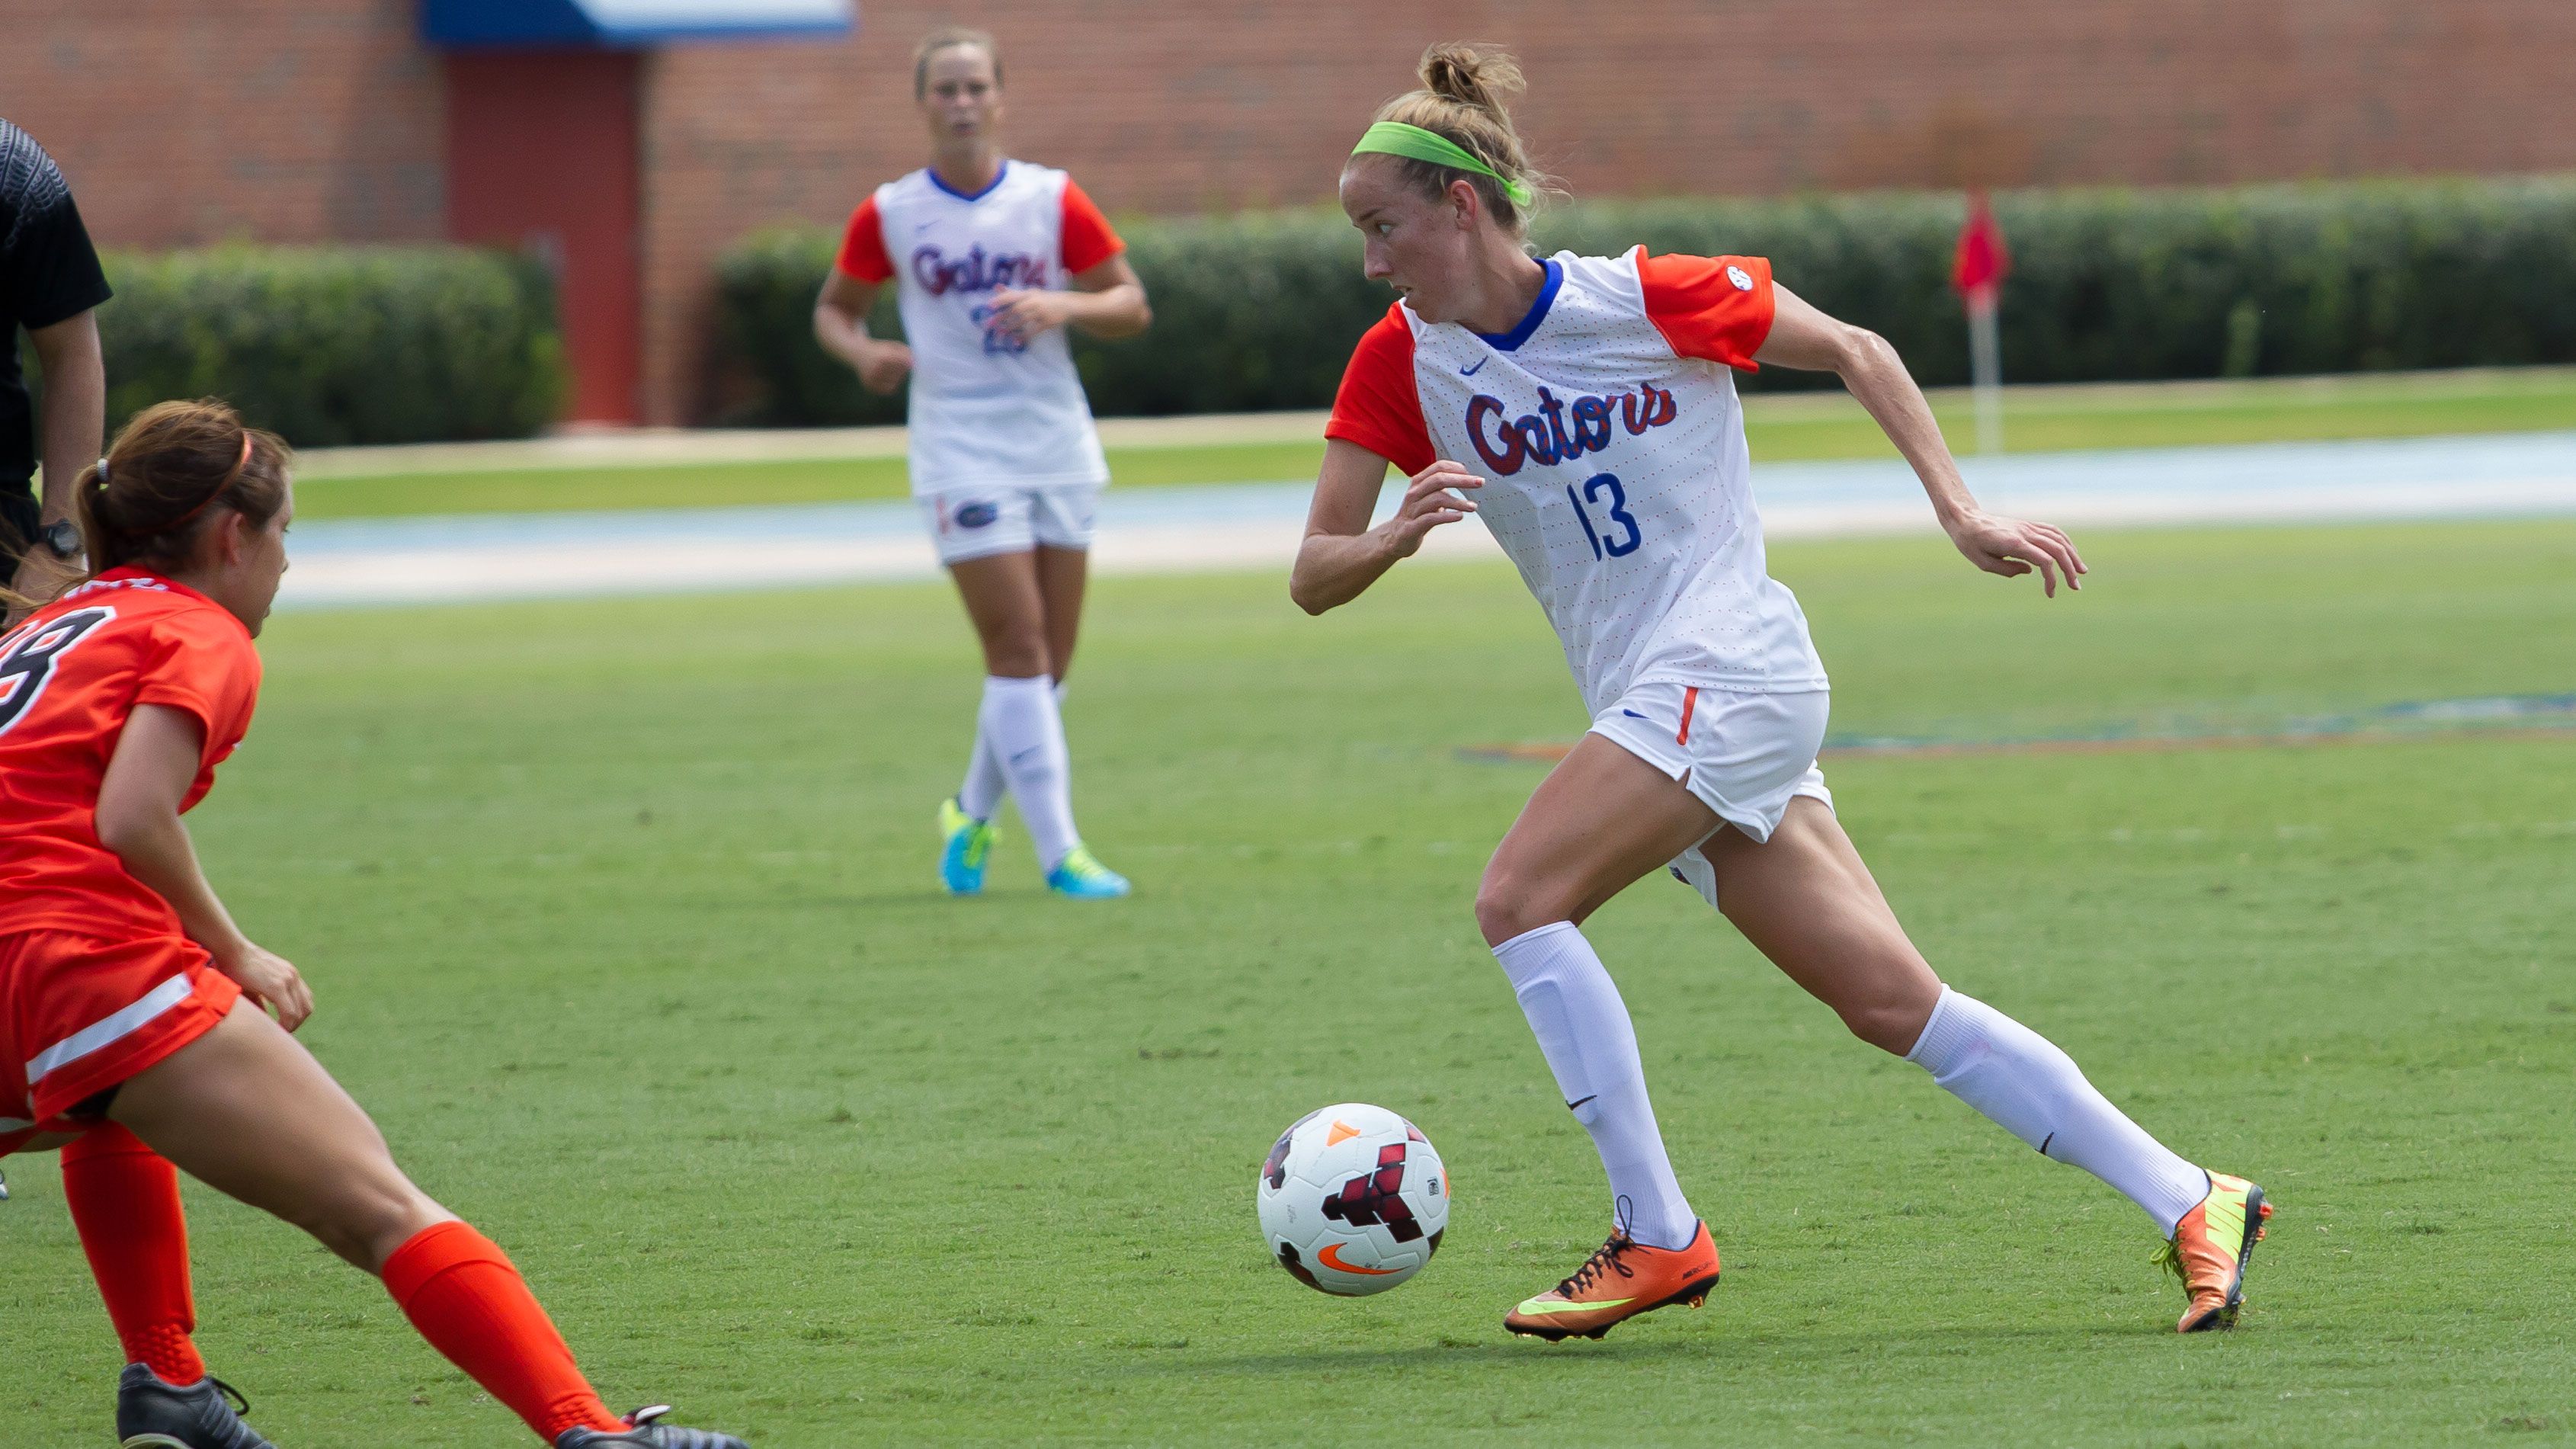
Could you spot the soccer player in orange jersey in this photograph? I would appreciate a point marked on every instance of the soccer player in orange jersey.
(1583, 407)
(132, 1033)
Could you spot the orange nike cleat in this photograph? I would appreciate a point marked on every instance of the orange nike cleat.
(1618, 1282)
(2210, 1248)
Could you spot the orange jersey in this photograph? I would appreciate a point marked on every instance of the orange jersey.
(69, 677)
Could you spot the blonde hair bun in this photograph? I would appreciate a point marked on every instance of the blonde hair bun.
(1462, 100)
(1472, 75)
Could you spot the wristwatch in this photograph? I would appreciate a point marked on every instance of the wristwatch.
(62, 536)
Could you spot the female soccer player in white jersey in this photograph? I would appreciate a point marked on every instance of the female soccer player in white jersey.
(1583, 407)
(992, 259)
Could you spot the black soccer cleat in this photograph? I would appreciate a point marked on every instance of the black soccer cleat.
(153, 1413)
(643, 1433)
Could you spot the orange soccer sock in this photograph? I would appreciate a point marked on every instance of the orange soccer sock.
(125, 1202)
(459, 1289)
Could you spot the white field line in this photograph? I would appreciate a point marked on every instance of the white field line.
(1257, 525)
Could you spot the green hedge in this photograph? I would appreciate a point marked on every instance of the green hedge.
(340, 344)
(1259, 311)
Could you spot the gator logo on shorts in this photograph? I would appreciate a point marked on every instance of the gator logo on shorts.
(978, 515)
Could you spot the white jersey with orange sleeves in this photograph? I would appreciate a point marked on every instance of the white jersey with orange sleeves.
(1608, 429)
(985, 408)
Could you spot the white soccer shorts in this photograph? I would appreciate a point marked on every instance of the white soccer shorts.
(978, 521)
(1744, 755)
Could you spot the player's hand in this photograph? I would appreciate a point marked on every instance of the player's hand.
(1429, 503)
(270, 981)
(1021, 315)
(2011, 547)
(882, 368)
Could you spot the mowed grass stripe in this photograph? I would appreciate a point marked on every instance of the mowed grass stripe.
(1780, 426)
(622, 919)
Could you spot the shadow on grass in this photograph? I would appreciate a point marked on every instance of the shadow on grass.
(1710, 1346)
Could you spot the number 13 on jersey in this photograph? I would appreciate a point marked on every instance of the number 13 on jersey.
(1589, 499)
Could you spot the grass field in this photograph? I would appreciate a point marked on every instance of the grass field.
(622, 920)
(1779, 425)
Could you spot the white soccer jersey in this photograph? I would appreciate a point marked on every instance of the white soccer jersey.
(1608, 429)
(985, 409)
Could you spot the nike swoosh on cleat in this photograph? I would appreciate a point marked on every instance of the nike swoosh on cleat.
(1331, 1257)
(1471, 371)
(1536, 1306)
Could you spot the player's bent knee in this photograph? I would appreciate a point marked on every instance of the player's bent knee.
(1892, 1026)
(367, 1221)
(1508, 907)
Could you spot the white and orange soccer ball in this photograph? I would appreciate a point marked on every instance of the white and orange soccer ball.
(1353, 1200)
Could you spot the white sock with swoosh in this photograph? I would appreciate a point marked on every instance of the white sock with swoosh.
(981, 795)
(2025, 1085)
(1019, 717)
(1582, 1026)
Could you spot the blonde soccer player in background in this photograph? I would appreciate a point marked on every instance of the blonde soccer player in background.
(992, 259)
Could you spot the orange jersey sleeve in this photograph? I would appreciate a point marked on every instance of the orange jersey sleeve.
(863, 249)
(1717, 308)
(1087, 238)
(201, 661)
(1378, 405)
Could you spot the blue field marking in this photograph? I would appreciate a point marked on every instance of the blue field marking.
(2283, 472)
(573, 554)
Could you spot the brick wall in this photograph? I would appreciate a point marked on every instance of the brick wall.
(182, 122)
(321, 118)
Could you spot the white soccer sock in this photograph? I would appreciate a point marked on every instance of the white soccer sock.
(1019, 718)
(1583, 1028)
(2034, 1091)
(981, 795)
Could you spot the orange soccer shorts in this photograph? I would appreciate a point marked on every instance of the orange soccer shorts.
(80, 1014)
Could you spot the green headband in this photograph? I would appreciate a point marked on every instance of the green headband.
(1395, 138)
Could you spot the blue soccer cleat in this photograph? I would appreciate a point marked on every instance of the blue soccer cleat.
(967, 844)
(1081, 876)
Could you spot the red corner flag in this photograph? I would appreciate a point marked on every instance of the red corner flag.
(1982, 260)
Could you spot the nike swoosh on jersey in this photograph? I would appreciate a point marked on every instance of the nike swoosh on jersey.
(1471, 371)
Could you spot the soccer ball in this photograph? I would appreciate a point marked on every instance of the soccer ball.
(1353, 1200)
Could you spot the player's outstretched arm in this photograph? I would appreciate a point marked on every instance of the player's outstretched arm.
(841, 326)
(137, 819)
(1342, 555)
(1805, 338)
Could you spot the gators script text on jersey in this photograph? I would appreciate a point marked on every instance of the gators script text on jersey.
(1609, 432)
